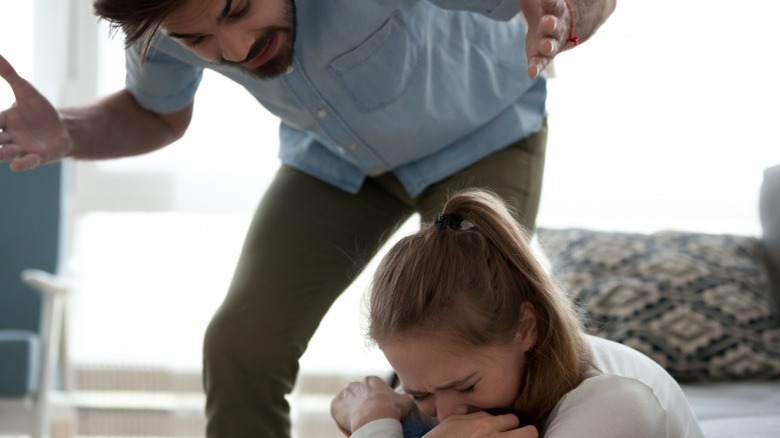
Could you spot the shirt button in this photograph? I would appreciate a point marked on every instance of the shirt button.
(321, 113)
(377, 171)
(341, 150)
(352, 146)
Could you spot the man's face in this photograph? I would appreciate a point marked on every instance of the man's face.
(256, 35)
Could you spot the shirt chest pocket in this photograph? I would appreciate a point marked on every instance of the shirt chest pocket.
(376, 72)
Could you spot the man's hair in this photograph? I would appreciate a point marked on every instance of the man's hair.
(465, 279)
(139, 20)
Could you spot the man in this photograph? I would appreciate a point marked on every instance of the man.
(386, 107)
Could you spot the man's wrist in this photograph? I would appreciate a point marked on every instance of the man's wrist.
(572, 38)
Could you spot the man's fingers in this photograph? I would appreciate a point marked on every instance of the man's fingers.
(550, 25)
(548, 47)
(536, 65)
(7, 71)
(27, 162)
(19, 85)
(10, 151)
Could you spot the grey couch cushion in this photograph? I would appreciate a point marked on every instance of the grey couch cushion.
(769, 209)
(697, 304)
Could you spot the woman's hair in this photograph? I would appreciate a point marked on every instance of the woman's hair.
(138, 19)
(465, 279)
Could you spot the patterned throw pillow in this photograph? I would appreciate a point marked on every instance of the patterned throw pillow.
(697, 304)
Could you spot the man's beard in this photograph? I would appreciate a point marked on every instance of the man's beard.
(282, 61)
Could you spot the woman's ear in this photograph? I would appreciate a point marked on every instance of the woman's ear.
(527, 329)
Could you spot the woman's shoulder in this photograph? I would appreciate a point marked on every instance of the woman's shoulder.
(624, 392)
(612, 358)
(612, 406)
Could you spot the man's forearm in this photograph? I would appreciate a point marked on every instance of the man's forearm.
(118, 127)
(589, 15)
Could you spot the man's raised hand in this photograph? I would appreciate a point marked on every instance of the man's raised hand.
(549, 31)
(31, 130)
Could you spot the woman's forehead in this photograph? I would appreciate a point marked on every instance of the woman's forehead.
(431, 362)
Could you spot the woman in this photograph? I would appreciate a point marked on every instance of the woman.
(485, 345)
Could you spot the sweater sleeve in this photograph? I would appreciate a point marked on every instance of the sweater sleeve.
(382, 428)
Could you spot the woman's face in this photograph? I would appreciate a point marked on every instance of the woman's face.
(446, 379)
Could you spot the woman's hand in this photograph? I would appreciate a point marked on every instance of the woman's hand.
(482, 425)
(32, 132)
(363, 402)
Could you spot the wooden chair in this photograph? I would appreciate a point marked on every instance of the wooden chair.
(35, 399)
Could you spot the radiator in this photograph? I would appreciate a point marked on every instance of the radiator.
(116, 401)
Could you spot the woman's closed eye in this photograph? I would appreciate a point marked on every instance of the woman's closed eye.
(467, 390)
(420, 396)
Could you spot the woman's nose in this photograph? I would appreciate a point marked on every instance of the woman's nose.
(446, 407)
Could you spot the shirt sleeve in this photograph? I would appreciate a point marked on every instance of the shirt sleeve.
(609, 407)
(164, 82)
(382, 428)
(503, 10)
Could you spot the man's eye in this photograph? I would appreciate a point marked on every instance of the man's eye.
(241, 12)
(419, 397)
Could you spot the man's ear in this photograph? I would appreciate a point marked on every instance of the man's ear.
(527, 329)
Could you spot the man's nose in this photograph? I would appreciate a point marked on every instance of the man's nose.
(235, 46)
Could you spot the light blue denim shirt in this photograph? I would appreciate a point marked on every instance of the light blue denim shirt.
(422, 88)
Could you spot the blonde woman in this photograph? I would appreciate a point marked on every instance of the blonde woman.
(485, 345)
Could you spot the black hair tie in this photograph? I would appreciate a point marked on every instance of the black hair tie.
(451, 220)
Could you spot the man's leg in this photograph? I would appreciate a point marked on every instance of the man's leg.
(307, 242)
(514, 173)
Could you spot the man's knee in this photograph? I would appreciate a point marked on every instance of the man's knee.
(241, 344)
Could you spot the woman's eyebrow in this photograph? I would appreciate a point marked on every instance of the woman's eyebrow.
(444, 387)
(455, 383)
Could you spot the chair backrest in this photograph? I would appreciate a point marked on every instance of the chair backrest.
(30, 214)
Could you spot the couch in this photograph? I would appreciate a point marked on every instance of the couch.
(704, 306)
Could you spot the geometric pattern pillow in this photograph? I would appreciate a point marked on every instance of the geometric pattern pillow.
(697, 304)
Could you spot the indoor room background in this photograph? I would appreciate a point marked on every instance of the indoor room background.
(664, 120)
